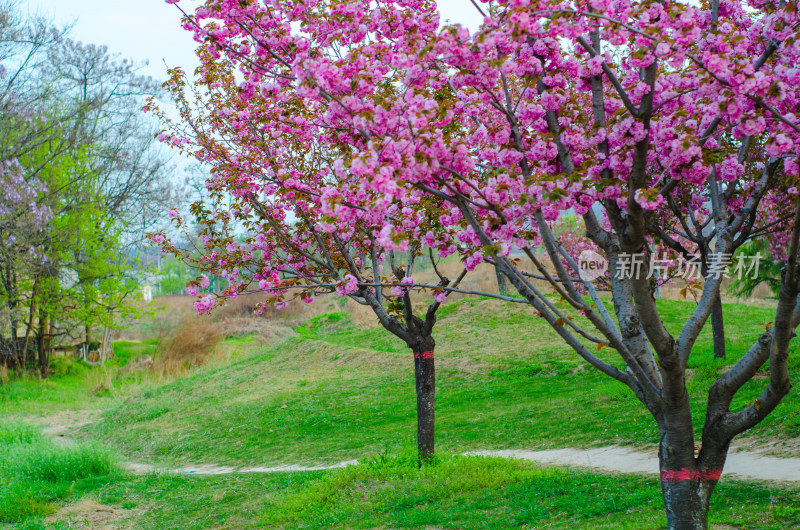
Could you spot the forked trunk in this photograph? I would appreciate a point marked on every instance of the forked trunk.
(425, 379)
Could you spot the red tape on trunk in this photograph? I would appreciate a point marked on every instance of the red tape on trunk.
(424, 355)
(669, 475)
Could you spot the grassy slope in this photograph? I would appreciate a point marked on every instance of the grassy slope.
(336, 392)
(457, 492)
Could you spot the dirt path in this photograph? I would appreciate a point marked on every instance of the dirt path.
(213, 469)
(742, 465)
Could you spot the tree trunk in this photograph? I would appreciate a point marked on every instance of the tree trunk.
(686, 482)
(425, 378)
(686, 503)
(718, 328)
(6, 354)
(18, 353)
(43, 345)
(502, 282)
(106, 349)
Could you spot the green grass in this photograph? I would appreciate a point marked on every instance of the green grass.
(35, 473)
(337, 392)
(75, 385)
(475, 492)
(454, 492)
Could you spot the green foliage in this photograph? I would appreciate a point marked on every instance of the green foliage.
(73, 127)
(173, 276)
(95, 286)
(35, 473)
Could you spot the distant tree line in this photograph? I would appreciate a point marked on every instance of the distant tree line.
(80, 180)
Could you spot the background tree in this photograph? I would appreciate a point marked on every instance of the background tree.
(72, 124)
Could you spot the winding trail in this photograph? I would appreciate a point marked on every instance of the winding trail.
(742, 465)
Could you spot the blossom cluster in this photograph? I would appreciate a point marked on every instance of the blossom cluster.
(377, 125)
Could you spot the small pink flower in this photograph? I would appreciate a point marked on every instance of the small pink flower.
(192, 290)
(204, 305)
(440, 297)
(663, 49)
(349, 286)
(473, 261)
(173, 213)
(204, 281)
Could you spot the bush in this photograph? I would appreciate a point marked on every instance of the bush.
(189, 345)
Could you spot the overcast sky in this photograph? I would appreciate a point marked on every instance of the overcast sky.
(149, 30)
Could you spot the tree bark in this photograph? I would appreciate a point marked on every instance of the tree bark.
(43, 345)
(686, 503)
(425, 379)
(16, 351)
(718, 328)
(686, 482)
(502, 282)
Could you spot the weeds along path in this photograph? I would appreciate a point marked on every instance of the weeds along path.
(742, 465)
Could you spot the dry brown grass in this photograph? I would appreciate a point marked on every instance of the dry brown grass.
(191, 344)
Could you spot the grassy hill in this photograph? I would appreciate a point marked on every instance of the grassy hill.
(336, 390)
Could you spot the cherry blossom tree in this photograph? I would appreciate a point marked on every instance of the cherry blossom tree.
(638, 115)
(270, 224)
